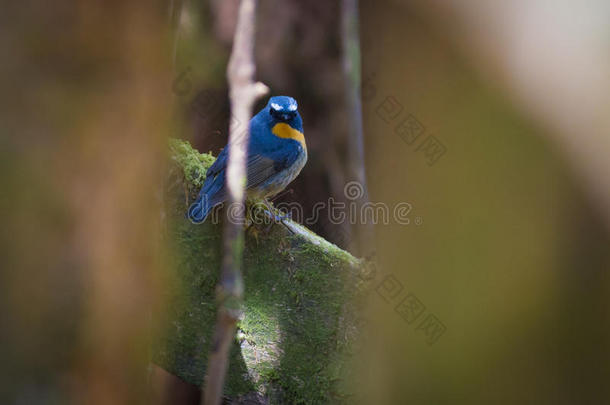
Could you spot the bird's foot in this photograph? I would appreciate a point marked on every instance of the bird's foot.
(275, 213)
(279, 217)
(263, 213)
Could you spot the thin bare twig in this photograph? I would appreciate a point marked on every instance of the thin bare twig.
(362, 233)
(175, 12)
(243, 94)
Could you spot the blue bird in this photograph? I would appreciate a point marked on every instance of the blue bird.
(276, 155)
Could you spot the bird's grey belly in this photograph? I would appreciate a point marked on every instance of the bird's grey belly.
(279, 181)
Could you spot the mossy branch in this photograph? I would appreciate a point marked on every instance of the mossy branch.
(302, 305)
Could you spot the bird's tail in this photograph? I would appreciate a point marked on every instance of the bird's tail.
(199, 210)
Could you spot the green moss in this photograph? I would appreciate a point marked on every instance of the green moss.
(291, 341)
(192, 163)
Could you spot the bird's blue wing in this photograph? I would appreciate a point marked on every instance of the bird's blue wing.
(215, 171)
(259, 168)
(213, 190)
(262, 166)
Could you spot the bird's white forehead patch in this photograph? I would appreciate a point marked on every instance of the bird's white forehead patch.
(292, 107)
(276, 107)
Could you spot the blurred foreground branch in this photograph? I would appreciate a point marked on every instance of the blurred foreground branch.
(243, 94)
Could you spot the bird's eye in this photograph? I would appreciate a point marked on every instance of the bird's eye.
(284, 116)
(274, 113)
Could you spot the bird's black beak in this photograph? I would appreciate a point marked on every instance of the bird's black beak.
(286, 117)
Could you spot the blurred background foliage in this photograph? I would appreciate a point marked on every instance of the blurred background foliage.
(511, 254)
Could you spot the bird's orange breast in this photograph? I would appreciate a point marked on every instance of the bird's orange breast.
(283, 130)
